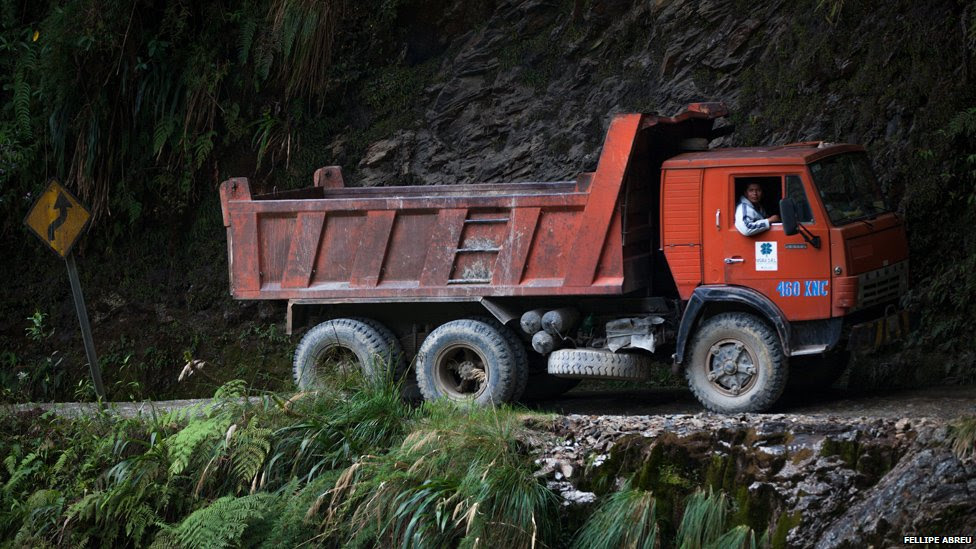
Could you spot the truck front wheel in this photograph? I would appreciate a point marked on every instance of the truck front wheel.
(736, 364)
(344, 346)
(468, 360)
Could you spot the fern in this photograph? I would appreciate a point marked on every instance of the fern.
(21, 102)
(223, 522)
(248, 28)
(20, 471)
(233, 390)
(249, 452)
(202, 147)
(182, 445)
(164, 129)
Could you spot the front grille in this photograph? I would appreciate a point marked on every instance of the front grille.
(882, 285)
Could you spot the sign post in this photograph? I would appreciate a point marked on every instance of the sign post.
(58, 219)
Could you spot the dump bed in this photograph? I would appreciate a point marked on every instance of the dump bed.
(591, 236)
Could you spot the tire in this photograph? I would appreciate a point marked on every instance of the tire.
(755, 371)
(518, 351)
(337, 342)
(402, 373)
(599, 364)
(817, 372)
(467, 360)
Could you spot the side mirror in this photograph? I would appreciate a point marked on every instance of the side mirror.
(787, 212)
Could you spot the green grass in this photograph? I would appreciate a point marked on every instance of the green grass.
(350, 465)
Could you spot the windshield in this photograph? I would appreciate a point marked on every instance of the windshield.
(848, 187)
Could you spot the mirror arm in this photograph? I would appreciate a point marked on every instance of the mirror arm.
(808, 236)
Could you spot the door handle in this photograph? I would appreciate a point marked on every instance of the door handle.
(718, 218)
(730, 260)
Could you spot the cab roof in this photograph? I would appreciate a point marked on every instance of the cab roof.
(792, 154)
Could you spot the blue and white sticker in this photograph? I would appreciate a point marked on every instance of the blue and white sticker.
(766, 256)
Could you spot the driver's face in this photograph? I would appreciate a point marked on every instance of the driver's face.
(754, 193)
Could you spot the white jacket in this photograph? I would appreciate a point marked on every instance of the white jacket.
(748, 219)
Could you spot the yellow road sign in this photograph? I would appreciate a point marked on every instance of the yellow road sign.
(58, 218)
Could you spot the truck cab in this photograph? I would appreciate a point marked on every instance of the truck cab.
(840, 255)
(849, 253)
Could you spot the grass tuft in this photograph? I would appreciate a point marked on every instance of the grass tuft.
(626, 518)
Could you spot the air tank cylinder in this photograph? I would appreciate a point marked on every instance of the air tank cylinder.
(560, 322)
(544, 343)
(531, 321)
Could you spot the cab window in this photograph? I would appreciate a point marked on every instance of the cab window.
(794, 190)
(772, 188)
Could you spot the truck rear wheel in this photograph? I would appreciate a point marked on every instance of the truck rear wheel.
(599, 364)
(401, 369)
(467, 360)
(736, 364)
(519, 353)
(343, 345)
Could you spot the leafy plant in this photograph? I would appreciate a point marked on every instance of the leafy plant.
(626, 518)
(962, 434)
(38, 330)
(458, 479)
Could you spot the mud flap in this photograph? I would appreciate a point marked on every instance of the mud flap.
(870, 336)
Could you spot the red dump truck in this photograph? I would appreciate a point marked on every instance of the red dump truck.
(491, 292)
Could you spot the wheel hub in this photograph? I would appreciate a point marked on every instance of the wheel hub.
(731, 367)
(469, 371)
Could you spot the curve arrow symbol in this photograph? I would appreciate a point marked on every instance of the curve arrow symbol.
(62, 204)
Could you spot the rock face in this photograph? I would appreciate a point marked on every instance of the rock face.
(527, 94)
(812, 481)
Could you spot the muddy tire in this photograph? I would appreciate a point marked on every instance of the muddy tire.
(817, 372)
(402, 373)
(518, 351)
(467, 360)
(599, 364)
(736, 364)
(337, 344)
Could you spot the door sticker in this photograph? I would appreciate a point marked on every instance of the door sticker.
(766, 258)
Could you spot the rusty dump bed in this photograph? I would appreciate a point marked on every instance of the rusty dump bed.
(593, 236)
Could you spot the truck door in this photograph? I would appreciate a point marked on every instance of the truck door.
(787, 269)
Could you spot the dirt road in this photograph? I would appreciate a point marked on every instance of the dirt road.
(941, 402)
(935, 402)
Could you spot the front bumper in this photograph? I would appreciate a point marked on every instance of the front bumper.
(871, 335)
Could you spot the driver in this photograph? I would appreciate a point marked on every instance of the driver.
(750, 216)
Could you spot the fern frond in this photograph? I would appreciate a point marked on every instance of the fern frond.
(248, 28)
(20, 471)
(202, 146)
(250, 452)
(182, 445)
(164, 129)
(234, 389)
(21, 101)
(223, 522)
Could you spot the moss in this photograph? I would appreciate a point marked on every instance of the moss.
(847, 450)
(871, 461)
(754, 509)
(784, 524)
